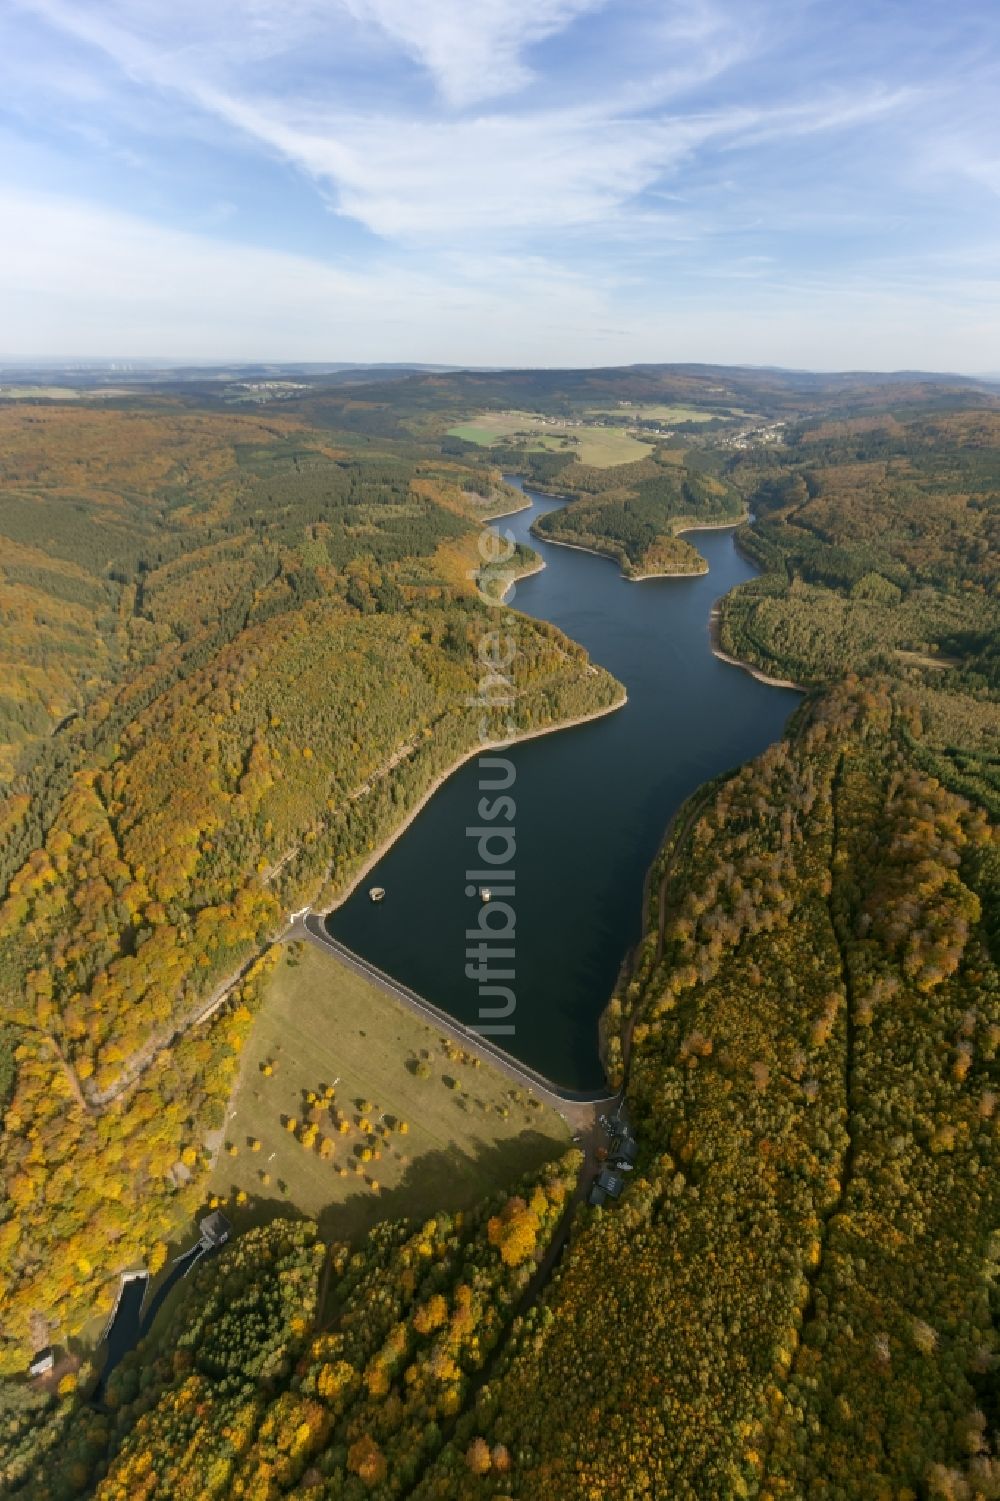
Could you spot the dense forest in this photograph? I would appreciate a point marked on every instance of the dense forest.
(299, 1368)
(880, 544)
(414, 402)
(877, 541)
(292, 660)
(793, 1298)
(794, 1295)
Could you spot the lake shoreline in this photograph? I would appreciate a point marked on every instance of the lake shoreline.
(485, 747)
(713, 526)
(640, 578)
(732, 719)
(528, 573)
(509, 511)
(714, 621)
(629, 578)
(679, 573)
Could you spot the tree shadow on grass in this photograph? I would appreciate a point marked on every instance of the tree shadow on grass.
(447, 1179)
(440, 1179)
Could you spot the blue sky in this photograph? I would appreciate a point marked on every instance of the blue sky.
(503, 181)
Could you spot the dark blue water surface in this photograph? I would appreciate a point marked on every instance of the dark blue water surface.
(134, 1317)
(592, 804)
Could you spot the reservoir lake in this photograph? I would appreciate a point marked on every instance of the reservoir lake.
(592, 804)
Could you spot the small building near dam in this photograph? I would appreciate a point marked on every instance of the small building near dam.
(215, 1230)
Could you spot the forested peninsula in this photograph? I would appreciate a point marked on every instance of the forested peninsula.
(634, 512)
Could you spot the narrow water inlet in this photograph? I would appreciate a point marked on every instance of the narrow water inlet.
(591, 804)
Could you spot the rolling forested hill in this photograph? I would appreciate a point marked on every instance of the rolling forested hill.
(880, 542)
(272, 655)
(795, 1295)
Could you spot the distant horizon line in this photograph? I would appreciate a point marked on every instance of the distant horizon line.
(123, 363)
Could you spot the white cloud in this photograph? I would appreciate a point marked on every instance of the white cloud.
(692, 152)
(83, 281)
(977, 160)
(472, 48)
(493, 174)
(402, 175)
(501, 175)
(471, 51)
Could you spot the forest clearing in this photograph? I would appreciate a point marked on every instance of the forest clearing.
(443, 1131)
(600, 446)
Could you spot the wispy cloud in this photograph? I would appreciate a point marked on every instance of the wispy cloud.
(608, 155)
(156, 290)
(475, 51)
(150, 288)
(499, 172)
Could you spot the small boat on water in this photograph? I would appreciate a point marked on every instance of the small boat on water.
(485, 894)
(377, 893)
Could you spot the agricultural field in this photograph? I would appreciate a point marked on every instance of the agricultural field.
(599, 446)
(658, 412)
(59, 393)
(443, 1131)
